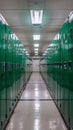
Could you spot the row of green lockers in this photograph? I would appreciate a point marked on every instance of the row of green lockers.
(56, 67)
(15, 70)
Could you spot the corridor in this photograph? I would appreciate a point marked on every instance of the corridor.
(35, 111)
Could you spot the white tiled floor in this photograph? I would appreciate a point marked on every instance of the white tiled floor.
(36, 113)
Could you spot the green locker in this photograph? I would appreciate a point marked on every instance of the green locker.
(60, 69)
(13, 76)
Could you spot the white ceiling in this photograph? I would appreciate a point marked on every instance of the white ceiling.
(17, 14)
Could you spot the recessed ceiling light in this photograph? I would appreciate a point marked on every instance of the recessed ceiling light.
(36, 37)
(36, 49)
(36, 45)
(36, 53)
(36, 16)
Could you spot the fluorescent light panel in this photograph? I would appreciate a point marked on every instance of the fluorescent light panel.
(36, 45)
(36, 16)
(36, 37)
(36, 49)
(36, 53)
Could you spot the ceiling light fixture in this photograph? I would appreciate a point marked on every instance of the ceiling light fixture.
(36, 49)
(36, 16)
(36, 54)
(36, 45)
(36, 37)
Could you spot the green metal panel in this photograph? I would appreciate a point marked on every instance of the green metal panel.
(59, 65)
(14, 71)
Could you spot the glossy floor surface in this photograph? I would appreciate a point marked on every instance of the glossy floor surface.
(34, 111)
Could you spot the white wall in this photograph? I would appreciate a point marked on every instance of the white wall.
(35, 65)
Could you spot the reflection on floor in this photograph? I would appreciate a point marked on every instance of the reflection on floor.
(35, 111)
